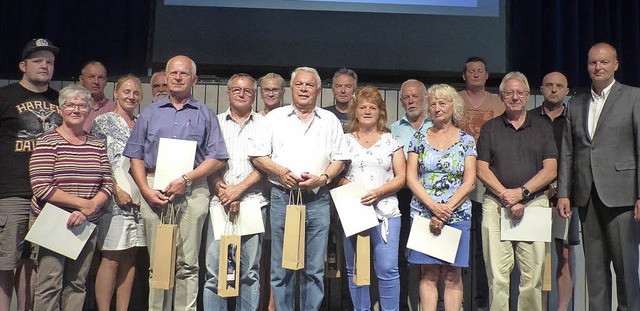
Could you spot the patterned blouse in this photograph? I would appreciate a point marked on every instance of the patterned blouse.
(114, 131)
(441, 172)
(374, 167)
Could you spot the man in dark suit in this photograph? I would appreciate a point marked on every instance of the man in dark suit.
(599, 166)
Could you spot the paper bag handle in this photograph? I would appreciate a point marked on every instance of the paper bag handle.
(168, 213)
(297, 200)
(234, 223)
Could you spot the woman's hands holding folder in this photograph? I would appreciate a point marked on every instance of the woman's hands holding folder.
(75, 219)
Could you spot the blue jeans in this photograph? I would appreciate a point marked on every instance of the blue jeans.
(317, 235)
(249, 293)
(385, 262)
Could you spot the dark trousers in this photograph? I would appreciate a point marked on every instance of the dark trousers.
(476, 262)
(610, 235)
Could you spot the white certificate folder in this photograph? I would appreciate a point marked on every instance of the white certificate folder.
(50, 231)
(175, 158)
(443, 246)
(354, 216)
(534, 226)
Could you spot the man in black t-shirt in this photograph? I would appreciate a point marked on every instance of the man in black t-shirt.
(28, 109)
(554, 89)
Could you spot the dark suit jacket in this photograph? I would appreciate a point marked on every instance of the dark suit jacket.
(609, 160)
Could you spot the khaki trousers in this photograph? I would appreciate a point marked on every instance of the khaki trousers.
(192, 210)
(499, 260)
(61, 282)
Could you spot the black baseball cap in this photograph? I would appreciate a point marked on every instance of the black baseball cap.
(39, 44)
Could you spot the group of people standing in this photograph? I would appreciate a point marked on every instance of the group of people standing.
(434, 162)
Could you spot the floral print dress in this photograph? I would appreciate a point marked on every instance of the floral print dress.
(441, 172)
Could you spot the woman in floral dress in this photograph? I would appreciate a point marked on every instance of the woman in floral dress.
(441, 172)
(120, 231)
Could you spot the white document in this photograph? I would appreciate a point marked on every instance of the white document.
(125, 180)
(535, 225)
(50, 231)
(175, 158)
(306, 160)
(443, 246)
(249, 219)
(354, 216)
(560, 225)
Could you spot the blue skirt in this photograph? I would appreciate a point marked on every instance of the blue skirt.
(462, 256)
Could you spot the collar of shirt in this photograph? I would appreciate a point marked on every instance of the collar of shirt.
(605, 93)
(227, 116)
(405, 120)
(102, 103)
(543, 112)
(293, 111)
(525, 124)
(165, 103)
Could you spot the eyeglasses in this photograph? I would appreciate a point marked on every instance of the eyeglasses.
(237, 90)
(274, 91)
(72, 107)
(511, 94)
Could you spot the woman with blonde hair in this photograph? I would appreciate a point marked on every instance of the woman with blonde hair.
(120, 229)
(441, 172)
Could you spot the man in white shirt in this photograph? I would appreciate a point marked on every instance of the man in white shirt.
(301, 136)
(238, 182)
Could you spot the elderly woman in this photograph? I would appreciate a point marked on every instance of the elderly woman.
(441, 172)
(120, 231)
(378, 161)
(69, 169)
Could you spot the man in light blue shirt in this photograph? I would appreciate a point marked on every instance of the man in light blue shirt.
(178, 116)
(413, 95)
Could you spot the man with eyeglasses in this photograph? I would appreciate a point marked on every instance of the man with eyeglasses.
(553, 110)
(599, 170)
(94, 79)
(28, 109)
(237, 183)
(299, 137)
(178, 116)
(343, 85)
(271, 92)
(517, 160)
(480, 106)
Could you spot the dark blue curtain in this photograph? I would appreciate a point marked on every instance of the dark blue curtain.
(544, 35)
(114, 32)
(555, 35)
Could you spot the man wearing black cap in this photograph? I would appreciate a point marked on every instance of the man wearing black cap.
(28, 109)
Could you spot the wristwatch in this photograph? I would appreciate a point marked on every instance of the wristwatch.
(525, 192)
(187, 180)
(328, 179)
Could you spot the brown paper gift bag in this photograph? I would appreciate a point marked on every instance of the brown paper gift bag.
(547, 277)
(294, 233)
(164, 259)
(362, 259)
(229, 264)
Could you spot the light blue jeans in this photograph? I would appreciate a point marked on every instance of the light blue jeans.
(317, 235)
(385, 263)
(250, 252)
